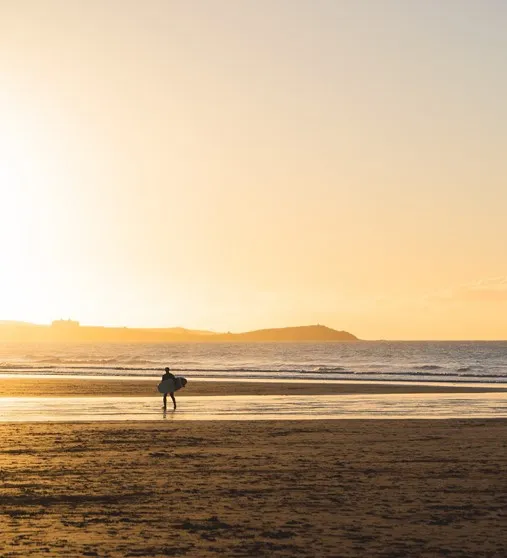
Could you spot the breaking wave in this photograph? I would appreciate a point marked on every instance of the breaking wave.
(369, 361)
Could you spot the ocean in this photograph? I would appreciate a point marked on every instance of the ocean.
(422, 361)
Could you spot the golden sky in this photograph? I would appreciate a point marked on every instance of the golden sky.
(235, 165)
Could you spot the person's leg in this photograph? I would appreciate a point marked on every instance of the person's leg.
(174, 400)
(165, 401)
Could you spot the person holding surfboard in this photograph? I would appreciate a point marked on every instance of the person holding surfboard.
(169, 384)
(169, 376)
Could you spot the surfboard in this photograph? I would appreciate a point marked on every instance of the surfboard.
(168, 386)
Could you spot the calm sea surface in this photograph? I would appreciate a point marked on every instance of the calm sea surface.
(467, 361)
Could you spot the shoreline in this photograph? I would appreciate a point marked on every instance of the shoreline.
(209, 408)
(74, 386)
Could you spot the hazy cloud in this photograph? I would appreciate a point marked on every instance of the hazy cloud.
(493, 289)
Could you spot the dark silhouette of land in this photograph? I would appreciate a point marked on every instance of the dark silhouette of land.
(293, 334)
(71, 331)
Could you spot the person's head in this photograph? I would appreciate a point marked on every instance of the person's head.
(167, 369)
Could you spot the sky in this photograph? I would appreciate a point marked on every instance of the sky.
(234, 165)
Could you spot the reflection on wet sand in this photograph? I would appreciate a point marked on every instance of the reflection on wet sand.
(447, 405)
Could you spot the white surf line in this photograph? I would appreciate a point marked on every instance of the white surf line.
(267, 407)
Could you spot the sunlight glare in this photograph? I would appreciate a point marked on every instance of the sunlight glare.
(27, 204)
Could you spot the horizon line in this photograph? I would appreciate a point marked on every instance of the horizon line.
(229, 332)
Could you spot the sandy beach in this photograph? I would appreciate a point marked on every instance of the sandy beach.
(322, 488)
(327, 488)
(56, 386)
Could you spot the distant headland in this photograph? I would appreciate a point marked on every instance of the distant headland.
(73, 332)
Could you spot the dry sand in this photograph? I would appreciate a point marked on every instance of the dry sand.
(307, 489)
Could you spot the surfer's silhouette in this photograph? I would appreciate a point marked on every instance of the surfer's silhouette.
(169, 376)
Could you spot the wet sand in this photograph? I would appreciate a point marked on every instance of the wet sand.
(47, 386)
(279, 489)
(255, 407)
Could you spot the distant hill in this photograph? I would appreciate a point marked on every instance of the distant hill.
(294, 334)
(184, 331)
(72, 332)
